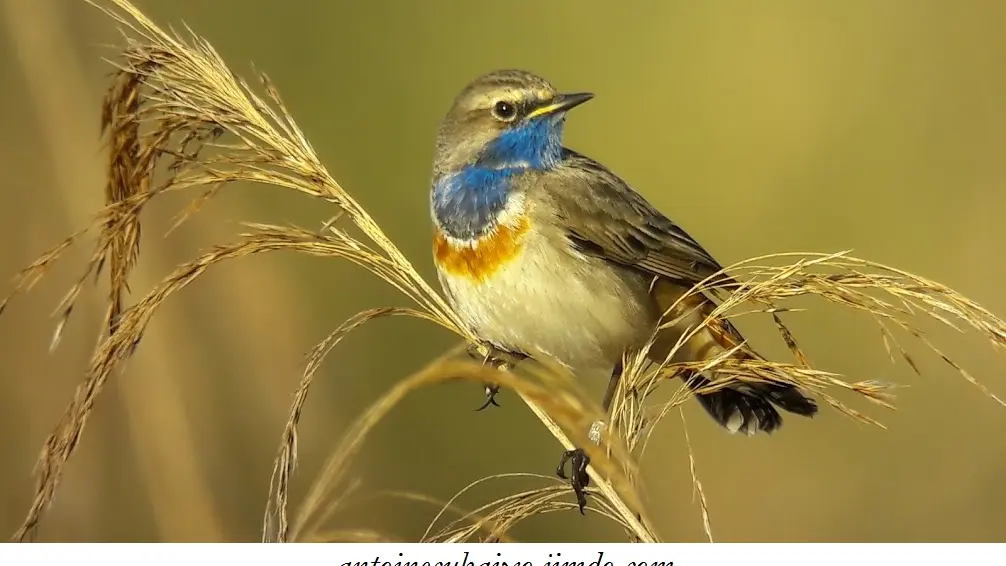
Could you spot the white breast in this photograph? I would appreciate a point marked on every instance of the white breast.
(581, 311)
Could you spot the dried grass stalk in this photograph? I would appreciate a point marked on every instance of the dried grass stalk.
(176, 107)
(177, 118)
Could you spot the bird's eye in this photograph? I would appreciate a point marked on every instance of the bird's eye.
(504, 111)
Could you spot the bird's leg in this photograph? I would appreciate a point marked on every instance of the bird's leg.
(609, 393)
(578, 478)
(497, 358)
(491, 390)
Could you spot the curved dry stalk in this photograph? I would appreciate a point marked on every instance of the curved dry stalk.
(174, 100)
(275, 522)
(498, 517)
(176, 104)
(286, 459)
(564, 408)
(890, 296)
(443, 507)
(119, 346)
(440, 505)
(696, 484)
(479, 518)
(503, 514)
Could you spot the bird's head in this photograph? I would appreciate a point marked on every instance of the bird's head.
(504, 120)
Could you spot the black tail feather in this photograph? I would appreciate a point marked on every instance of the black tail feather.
(751, 407)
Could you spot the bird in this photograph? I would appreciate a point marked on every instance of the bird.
(545, 252)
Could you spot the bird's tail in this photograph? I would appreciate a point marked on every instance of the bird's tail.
(748, 407)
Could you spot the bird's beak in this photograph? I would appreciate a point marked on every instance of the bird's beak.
(560, 103)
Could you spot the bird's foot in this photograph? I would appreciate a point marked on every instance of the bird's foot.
(578, 478)
(498, 359)
(491, 390)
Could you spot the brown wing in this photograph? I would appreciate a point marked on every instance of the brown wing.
(606, 218)
(603, 216)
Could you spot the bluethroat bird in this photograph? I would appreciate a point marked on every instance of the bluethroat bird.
(543, 251)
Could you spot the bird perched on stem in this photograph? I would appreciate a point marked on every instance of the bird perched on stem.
(543, 251)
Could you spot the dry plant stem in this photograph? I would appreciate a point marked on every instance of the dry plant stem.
(431, 299)
(888, 295)
(503, 514)
(442, 506)
(191, 98)
(181, 505)
(286, 459)
(634, 521)
(173, 102)
(696, 484)
(478, 518)
(572, 420)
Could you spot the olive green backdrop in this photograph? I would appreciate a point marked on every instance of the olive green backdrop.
(786, 126)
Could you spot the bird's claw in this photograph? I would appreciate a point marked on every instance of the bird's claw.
(491, 390)
(578, 478)
(498, 359)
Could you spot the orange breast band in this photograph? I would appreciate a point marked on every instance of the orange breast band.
(489, 253)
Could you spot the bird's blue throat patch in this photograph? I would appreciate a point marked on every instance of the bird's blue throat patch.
(467, 202)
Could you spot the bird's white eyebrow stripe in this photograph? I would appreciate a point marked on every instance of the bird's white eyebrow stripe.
(490, 97)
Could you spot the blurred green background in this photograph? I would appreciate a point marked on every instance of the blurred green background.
(760, 127)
